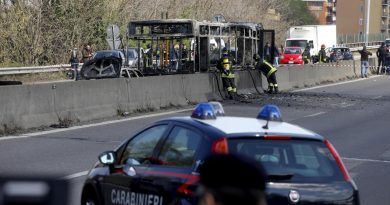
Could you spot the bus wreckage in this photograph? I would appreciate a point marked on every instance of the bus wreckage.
(173, 46)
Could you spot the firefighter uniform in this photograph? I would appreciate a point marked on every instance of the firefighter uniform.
(322, 54)
(269, 72)
(225, 67)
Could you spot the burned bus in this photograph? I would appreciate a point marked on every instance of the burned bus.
(187, 46)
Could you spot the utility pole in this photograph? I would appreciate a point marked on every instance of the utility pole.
(367, 19)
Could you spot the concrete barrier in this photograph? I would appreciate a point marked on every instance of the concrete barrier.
(64, 103)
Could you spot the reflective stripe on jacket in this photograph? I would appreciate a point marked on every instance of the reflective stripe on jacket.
(271, 70)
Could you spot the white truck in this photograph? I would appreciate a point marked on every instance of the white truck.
(313, 35)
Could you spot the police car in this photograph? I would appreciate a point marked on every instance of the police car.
(159, 165)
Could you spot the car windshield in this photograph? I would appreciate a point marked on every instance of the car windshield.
(342, 50)
(131, 53)
(296, 43)
(294, 160)
(292, 51)
(104, 54)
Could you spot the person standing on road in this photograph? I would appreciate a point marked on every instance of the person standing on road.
(322, 54)
(269, 72)
(276, 56)
(231, 180)
(381, 54)
(306, 55)
(74, 63)
(364, 61)
(87, 52)
(387, 60)
(267, 52)
(225, 67)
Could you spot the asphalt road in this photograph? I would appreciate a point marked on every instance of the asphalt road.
(354, 116)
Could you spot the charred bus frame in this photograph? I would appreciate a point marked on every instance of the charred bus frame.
(168, 39)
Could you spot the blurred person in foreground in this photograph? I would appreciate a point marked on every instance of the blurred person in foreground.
(231, 180)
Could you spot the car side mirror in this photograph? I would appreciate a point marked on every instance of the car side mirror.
(107, 158)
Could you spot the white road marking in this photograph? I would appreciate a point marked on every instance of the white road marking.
(366, 160)
(315, 114)
(335, 84)
(377, 97)
(75, 175)
(347, 105)
(91, 125)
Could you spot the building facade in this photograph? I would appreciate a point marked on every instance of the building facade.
(323, 10)
(363, 17)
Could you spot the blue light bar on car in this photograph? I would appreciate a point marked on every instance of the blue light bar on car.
(270, 113)
(218, 108)
(204, 111)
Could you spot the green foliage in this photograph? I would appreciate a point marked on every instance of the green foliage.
(43, 32)
(299, 14)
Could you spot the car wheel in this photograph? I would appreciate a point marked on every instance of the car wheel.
(89, 199)
(89, 202)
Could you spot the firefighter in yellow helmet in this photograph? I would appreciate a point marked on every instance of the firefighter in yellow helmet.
(322, 54)
(224, 65)
(269, 72)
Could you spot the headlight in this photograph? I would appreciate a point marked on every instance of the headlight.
(131, 62)
(281, 57)
(299, 57)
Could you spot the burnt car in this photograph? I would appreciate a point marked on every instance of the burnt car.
(104, 64)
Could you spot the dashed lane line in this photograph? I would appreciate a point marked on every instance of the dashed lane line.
(377, 97)
(75, 175)
(347, 105)
(366, 160)
(315, 114)
(34, 134)
(335, 84)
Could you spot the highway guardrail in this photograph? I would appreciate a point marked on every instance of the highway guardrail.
(34, 69)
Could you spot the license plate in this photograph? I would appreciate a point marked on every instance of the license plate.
(291, 62)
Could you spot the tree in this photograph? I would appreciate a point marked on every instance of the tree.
(297, 13)
(43, 31)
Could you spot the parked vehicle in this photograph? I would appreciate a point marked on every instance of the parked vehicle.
(338, 53)
(387, 41)
(312, 35)
(132, 59)
(292, 55)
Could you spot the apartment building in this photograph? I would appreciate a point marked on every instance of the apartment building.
(323, 10)
(363, 17)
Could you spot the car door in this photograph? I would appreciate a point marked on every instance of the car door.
(174, 177)
(124, 184)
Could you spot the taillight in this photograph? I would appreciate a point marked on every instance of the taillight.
(220, 146)
(277, 137)
(339, 162)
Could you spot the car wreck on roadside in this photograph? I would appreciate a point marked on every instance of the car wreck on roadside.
(104, 64)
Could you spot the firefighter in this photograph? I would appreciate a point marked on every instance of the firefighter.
(322, 54)
(225, 67)
(269, 72)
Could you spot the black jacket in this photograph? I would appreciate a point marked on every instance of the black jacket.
(381, 52)
(364, 55)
